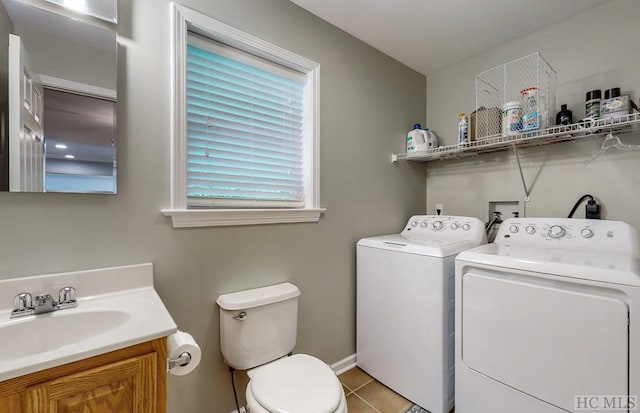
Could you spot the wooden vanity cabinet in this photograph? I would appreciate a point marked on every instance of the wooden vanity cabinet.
(130, 380)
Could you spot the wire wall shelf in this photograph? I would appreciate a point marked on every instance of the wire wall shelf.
(585, 129)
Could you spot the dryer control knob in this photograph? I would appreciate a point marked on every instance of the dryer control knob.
(455, 226)
(513, 229)
(414, 224)
(466, 227)
(587, 233)
(437, 225)
(530, 229)
(556, 231)
(424, 224)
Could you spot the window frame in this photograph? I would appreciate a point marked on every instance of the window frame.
(184, 20)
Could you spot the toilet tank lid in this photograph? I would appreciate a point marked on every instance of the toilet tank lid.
(256, 297)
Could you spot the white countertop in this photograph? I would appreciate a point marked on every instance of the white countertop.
(117, 307)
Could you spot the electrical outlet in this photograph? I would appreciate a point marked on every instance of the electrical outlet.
(440, 207)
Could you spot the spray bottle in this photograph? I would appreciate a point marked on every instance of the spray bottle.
(463, 130)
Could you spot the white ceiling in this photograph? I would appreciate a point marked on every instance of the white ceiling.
(430, 35)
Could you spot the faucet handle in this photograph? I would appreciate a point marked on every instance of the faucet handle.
(67, 295)
(22, 302)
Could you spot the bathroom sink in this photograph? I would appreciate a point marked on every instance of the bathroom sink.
(52, 331)
(117, 308)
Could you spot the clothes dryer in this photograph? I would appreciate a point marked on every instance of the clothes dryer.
(547, 318)
(405, 306)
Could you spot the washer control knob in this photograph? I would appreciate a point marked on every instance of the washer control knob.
(587, 233)
(513, 229)
(414, 223)
(437, 225)
(556, 231)
(455, 226)
(530, 229)
(466, 227)
(424, 224)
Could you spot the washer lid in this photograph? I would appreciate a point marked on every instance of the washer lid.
(409, 245)
(296, 384)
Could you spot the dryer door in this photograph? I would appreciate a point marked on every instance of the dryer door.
(551, 340)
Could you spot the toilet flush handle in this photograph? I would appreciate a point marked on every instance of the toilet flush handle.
(241, 317)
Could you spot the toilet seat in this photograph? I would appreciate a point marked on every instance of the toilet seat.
(254, 407)
(300, 384)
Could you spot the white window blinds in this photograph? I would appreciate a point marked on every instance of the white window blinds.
(245, 119)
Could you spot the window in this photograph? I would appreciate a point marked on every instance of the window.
(245, 128)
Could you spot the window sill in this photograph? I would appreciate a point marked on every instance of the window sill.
(186, 218)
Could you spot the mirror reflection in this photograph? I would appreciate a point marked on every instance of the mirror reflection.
(102, 9)
(57, 111)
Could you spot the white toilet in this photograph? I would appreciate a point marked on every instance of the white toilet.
(257, 331)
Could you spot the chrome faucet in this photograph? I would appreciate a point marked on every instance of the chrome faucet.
(44, 304)
(24, 304)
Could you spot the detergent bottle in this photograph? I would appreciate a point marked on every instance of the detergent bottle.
(432, 140)
(416, 139)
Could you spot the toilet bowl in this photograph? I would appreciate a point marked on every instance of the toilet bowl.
(258, 330)
(300, 384)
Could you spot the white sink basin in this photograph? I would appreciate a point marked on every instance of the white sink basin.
(31, 335)
(117, 308)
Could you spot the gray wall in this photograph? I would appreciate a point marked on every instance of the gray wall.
(5, 28)
(369, 101)
(594, 50)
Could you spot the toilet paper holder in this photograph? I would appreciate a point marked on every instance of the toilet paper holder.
(182, 360)
(183, 353)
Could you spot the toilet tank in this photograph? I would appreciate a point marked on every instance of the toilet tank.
(259, 325)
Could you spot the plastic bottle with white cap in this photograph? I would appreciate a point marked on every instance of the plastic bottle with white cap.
(463, 129)
(511, 118)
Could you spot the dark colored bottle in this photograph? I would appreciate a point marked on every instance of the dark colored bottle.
(612, 93)
(564, 117)
(592, 107)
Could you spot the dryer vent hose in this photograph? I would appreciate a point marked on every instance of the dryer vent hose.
(488, 226)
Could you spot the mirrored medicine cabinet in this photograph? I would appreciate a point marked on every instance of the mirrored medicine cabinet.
(58, 77)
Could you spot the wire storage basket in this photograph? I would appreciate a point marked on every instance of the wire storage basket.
(516, 97)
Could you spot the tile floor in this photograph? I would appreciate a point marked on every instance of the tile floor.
(366, 395)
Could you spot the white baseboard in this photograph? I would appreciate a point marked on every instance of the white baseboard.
(343, 365)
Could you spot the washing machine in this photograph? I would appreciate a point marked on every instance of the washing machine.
(547, 319)
(405, 306)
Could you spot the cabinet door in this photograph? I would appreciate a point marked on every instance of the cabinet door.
(11, 403)
(127, 386)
